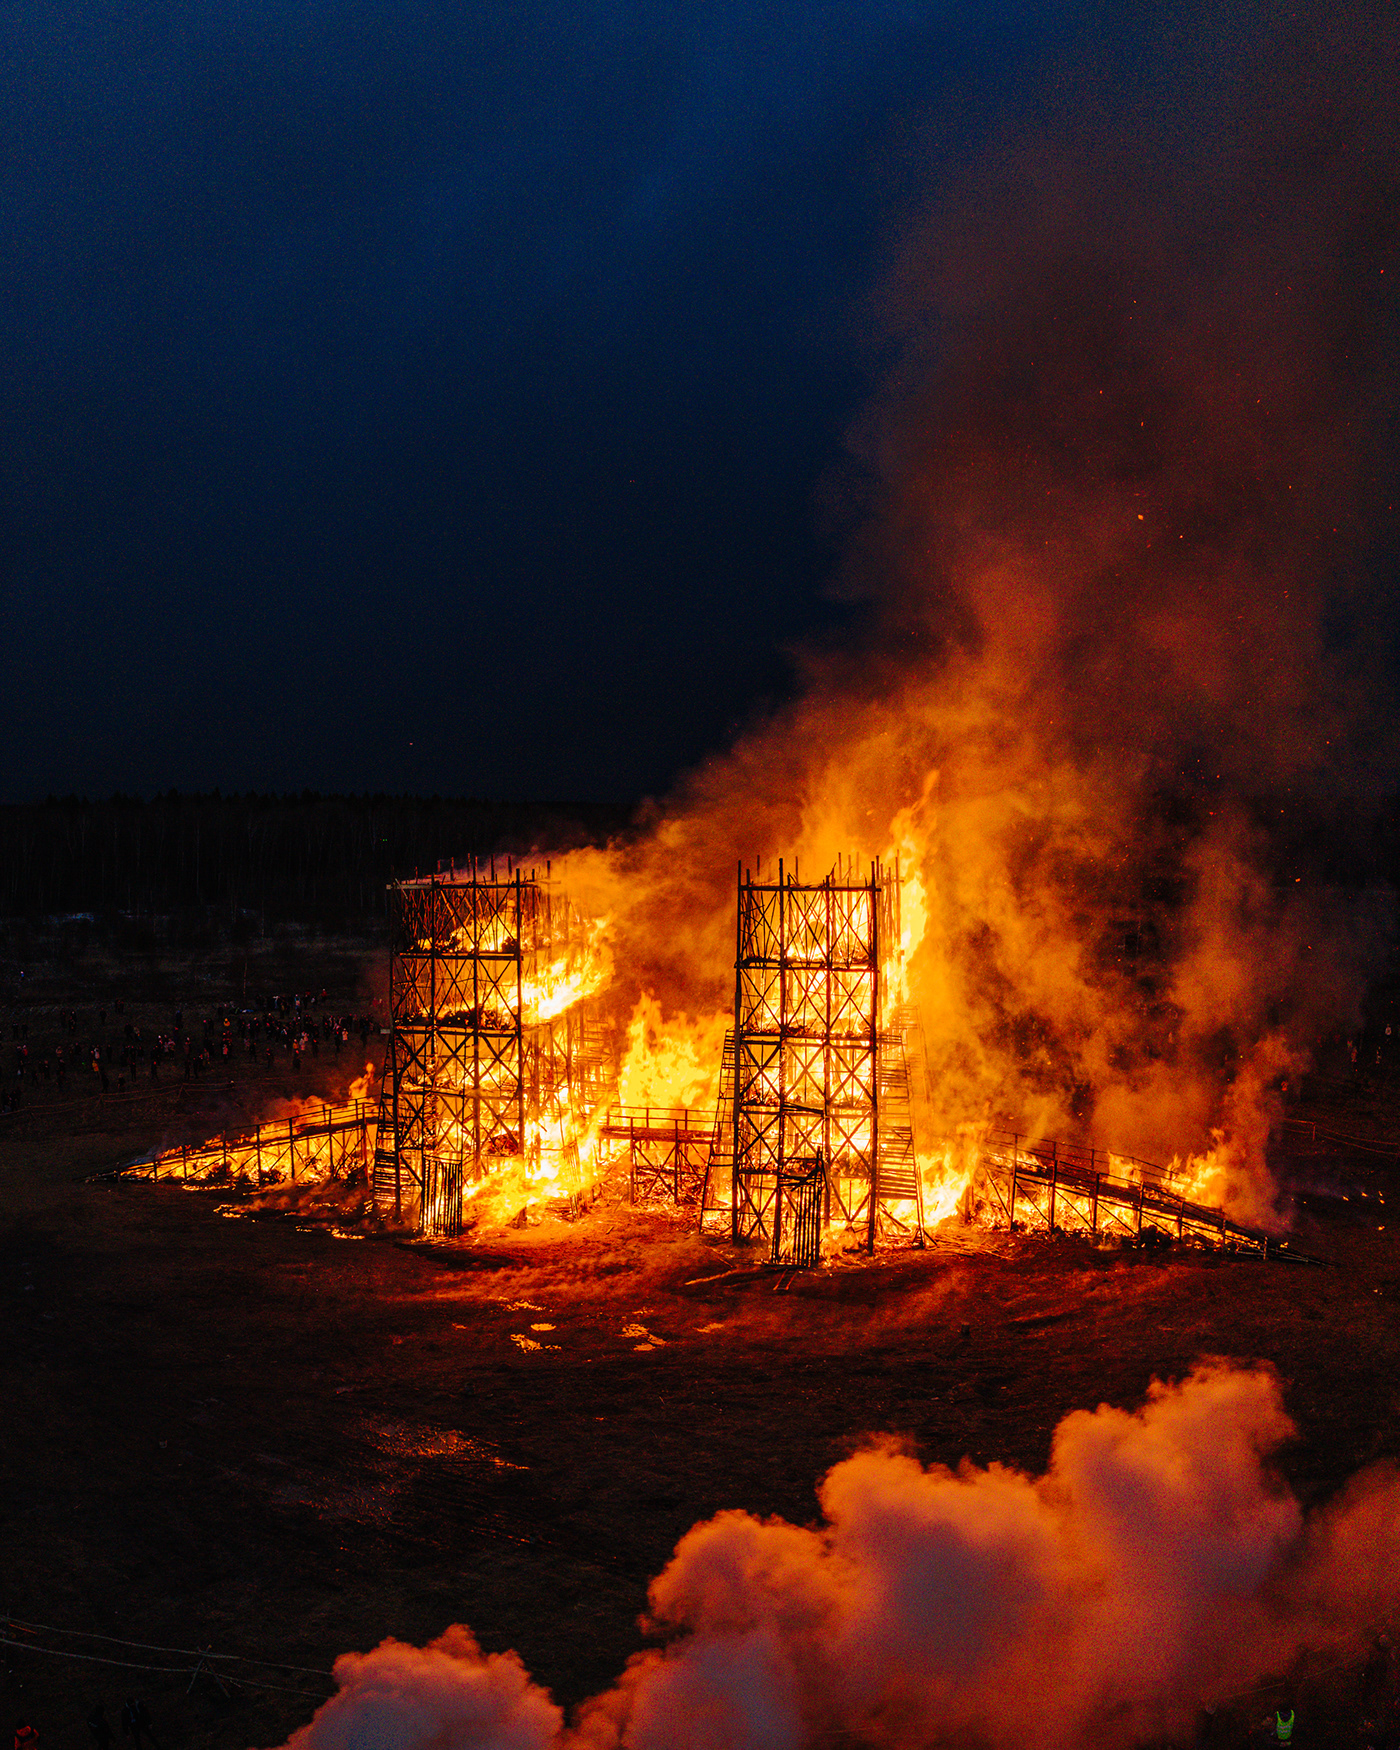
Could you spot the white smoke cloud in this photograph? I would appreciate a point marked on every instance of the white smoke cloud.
(448, 1695)
(1158, 1562)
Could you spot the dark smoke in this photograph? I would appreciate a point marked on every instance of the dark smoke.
(1112, 523)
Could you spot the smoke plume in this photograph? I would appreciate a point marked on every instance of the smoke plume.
(448, 1695)
(1113, 607)
(1158, 1564)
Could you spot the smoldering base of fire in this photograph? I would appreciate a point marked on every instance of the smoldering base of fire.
(1158, 1566)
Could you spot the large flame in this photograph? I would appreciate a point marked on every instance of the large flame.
(569, 979)
(671, 1062)
(1100, 561)
(1108, 533)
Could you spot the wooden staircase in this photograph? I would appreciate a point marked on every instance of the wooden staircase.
(717, 1193)
(897, 1176)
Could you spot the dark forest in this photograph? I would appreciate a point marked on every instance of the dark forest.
(260, 860)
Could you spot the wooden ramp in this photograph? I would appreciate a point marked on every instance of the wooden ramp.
(1048, 1187)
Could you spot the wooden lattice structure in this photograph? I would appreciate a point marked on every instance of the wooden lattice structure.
(668, 1149)
(488, 1064)
(1050, 1186)
(326, 1142)
(811, 1078)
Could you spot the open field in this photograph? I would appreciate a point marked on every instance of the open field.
(251, 1435)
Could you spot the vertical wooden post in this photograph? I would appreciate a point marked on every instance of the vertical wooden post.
(827, 1075)
(520, 1014)
(1054, 1182)
(431, 1103)
(257, 1135)
(394, 1066)
(291, 1151)
(782, 1062)
(1094, 1208)
(738, 1042)
(874, 1055)
(474, 1140)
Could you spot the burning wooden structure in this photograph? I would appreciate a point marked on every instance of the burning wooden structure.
(1049, 1186)
(499, 1074)
(668, 1150)
(309, 1147)
(814, 1123)
(491, 1068)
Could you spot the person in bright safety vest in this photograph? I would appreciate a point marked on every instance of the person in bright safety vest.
(1283, 1725)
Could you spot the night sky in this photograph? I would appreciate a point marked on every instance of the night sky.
(455, 398)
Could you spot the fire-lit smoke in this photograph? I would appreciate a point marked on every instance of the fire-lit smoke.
(1108, 521)
(1157, 1565)
(445, 1695)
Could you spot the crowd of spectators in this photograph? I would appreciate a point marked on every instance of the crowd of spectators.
(121, 1056)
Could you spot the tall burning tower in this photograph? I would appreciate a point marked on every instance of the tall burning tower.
(814, 1124)
(491, 1069)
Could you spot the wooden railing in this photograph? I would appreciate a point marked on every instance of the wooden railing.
(309, 1145)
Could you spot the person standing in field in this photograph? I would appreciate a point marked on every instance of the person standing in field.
(100, 1729)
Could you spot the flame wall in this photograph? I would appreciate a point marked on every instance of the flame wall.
(1112, 618)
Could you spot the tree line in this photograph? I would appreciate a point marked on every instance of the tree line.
(309, 858)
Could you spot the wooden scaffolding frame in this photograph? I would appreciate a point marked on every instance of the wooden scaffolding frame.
(477, 1073)
(808, 1065)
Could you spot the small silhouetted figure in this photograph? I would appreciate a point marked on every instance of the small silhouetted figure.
(143, 1721)
(136, 1724)
(1278, 1726)
(101, 1731)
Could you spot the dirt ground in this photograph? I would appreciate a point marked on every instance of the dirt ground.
(253, 1436)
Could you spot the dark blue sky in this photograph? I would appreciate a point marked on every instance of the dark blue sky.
(445, 397)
